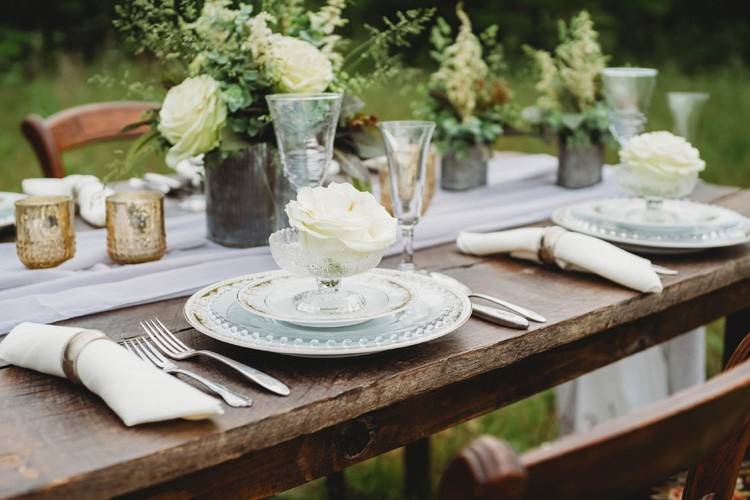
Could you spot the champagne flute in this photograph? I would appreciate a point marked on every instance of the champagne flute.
(406, 146)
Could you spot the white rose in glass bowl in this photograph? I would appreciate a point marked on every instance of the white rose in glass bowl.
(336, 232)
(191, 118)
(298, 67)
(659, 165)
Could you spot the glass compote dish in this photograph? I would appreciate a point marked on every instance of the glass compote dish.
(328, 261)
(337, 232)
(657, 166)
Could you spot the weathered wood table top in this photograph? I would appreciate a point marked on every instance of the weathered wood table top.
(59, 440)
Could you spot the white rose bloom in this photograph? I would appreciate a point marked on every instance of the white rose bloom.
(191, 118)
(297, 66)
(340, 213)
(662, 154)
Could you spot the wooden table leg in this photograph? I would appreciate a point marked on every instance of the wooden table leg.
(336, 486)
(417, 480)
(736, 327)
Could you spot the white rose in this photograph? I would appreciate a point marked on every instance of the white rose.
(192, 117)
(297, 66)
(662, 154)
(341, 214)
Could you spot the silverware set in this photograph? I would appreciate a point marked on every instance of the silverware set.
(159, 345)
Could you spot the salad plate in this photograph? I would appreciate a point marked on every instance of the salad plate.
(272, 297)
(437, 310)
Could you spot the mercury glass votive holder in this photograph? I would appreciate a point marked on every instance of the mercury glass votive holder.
(44, 231)
(135, 227)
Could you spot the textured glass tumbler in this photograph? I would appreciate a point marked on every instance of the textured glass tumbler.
(406, 146)
(135, 227)
(628, 94)
(305, 126)
(44, 231)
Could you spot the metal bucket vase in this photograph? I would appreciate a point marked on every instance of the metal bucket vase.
(245, 196)
(579, 166)
(460, 172)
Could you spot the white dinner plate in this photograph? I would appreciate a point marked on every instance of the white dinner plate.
(438, 310)
(717, 227)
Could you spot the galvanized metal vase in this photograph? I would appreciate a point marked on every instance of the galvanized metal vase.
(579, 166)
(245, 196)
(461, 172)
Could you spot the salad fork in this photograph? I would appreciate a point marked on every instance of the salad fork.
(143, 349)
(173, 347)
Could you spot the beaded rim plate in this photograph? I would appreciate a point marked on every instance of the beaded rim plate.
(438, 310)
(272, 296)
(8, 207)
(654, 242)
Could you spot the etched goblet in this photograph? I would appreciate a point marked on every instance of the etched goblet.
(406, 146)
(628, 94)
(305, 126)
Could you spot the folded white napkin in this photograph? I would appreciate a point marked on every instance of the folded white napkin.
(571, 251)
(87, 191)
(137, 392)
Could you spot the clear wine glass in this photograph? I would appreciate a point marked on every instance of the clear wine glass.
(406, 146)
(628, 94)
(305, 126)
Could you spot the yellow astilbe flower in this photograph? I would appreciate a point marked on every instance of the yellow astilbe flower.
(259, 41)
(581, 60)
(547, 84)
(463, 69)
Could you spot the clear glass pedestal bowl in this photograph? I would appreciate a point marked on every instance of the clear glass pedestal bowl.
(328, 261)
(654, 189)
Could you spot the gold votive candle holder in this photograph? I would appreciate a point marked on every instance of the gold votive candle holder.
(135, 227)
(44, 231)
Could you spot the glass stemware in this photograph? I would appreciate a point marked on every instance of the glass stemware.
(305, 126)
(406, 146)
(628, 94)
(686, 108)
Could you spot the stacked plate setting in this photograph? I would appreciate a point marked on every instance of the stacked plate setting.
(257, 311)
(687, 226)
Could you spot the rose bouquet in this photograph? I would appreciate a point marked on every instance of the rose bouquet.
(467, 97)
(221, 61)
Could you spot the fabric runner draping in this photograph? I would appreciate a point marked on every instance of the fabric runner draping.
(521, 190)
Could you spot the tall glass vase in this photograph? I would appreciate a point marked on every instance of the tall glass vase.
(243, 193)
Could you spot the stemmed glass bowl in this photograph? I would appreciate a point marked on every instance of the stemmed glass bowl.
(328, 261)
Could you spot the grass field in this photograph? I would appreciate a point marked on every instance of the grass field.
(525, 424)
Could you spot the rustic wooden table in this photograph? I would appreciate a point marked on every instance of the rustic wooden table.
(58, 440)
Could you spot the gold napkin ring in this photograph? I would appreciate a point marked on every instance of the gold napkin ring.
(550, 237)
(72, 350)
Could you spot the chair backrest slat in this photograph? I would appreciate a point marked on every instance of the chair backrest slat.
(78, 126)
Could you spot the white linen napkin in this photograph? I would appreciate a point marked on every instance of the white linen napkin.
(87, 190)
(572, 251)
(137, 392)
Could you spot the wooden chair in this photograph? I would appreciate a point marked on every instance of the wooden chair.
(78, 126)
(704, 427)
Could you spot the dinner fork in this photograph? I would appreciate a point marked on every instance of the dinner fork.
(173, 347)
(143, 349)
